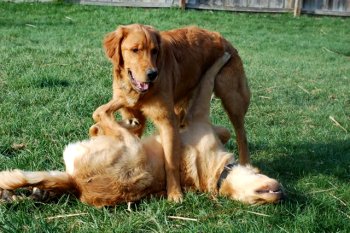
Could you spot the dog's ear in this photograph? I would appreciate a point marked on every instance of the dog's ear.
(112, 45)
(155, 33)
(159, 41)
(158, 37)
(95, 130)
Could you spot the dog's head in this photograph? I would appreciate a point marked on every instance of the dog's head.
(248, 185)
(134, 50)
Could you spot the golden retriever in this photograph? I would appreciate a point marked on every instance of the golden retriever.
(115, 166)
(154, 75)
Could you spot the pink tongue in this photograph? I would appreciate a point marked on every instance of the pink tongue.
(143, 86)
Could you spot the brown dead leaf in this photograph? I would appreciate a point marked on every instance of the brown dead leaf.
(18, 146)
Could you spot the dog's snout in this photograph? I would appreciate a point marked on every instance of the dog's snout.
(151, 74)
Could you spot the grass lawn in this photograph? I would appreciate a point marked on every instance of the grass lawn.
(53, 74)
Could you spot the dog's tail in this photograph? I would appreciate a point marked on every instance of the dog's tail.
(200, 105)
(55, 181)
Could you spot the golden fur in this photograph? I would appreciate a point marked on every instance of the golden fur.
(115, 166)
(154, 75)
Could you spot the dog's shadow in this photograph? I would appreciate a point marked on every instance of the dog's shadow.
(295, 165)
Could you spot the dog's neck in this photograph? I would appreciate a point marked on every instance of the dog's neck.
(227, 169)
(204, 153)
(213, 167)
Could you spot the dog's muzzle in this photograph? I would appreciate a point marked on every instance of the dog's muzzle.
(140, 87)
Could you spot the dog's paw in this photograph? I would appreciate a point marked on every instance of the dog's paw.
(130, 124)
(133, 122)
(97, 115)
(176, 197)
(101, 112)
(7, 195)
(40, 195)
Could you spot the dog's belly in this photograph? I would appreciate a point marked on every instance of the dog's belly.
(189, 172)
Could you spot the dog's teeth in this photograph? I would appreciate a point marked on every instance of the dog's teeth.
(276, 191)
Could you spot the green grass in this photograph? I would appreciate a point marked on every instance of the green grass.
(53, 74)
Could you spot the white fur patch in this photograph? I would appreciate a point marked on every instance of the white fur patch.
(55, 173)
(72, 152)
(32, 177)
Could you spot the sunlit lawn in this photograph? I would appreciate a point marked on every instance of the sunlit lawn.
(53, 74)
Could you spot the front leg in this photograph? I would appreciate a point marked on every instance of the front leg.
(166, 122)
(106, 113)
(107, 110)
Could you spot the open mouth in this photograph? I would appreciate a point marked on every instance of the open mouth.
(141, 87)
(278, 191)
(269, 196)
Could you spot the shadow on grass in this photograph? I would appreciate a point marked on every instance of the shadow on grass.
(25, 203)
(9, 151)
(51, 82)
(296, 161)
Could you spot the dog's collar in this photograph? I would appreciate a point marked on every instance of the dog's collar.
(224, 174)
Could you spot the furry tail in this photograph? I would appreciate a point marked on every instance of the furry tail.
(200, 105)
(56, 181)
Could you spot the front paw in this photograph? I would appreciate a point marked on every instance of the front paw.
(176, 197)
(99, 113)
(133, 122)
(96, 116)
(130, 124)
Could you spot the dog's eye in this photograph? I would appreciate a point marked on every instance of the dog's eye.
(154, 51)
(135, 50)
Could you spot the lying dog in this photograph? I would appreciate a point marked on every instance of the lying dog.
(154, 75)
(115, 166)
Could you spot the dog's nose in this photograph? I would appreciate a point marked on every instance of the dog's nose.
(151, 74)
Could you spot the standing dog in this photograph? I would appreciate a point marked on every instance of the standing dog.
(115, 166)
(154, 75)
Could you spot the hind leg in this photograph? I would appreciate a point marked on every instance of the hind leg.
(223, 134)
(7, 195)
(231, 87)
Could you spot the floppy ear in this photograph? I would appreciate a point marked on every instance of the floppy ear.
(154, 32)
(95, 130)
(159, 41)
(158, 37)
(112, 45)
